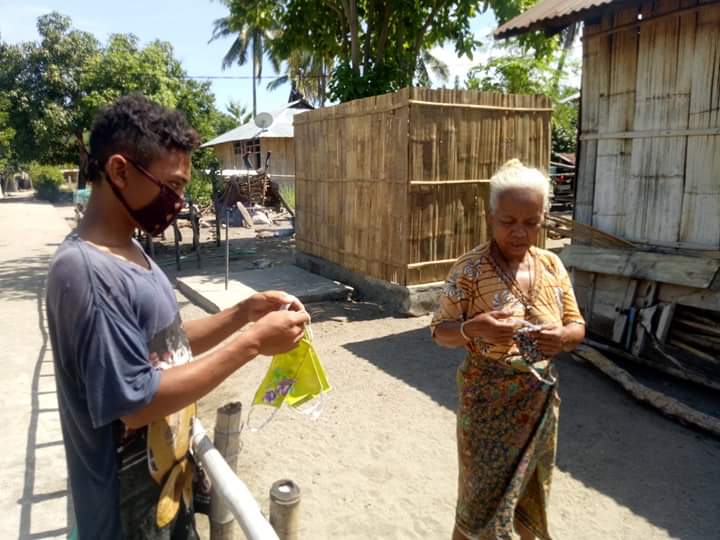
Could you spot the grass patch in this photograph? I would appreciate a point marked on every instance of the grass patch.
(288, 194)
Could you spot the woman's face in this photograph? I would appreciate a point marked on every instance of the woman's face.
(516, 221)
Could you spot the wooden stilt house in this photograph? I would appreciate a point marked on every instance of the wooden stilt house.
(648, 174)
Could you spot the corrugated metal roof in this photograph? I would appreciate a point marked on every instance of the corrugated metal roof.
(550, 14)
(282, 127)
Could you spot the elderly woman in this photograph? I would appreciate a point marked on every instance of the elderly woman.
(511, 305)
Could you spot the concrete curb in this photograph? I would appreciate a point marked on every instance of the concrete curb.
(415, 300)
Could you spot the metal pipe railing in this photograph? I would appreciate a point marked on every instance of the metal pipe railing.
(230, 488)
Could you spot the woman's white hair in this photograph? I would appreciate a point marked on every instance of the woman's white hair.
(515, 175)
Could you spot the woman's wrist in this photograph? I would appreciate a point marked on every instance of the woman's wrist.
(568, 338)
(464, 332)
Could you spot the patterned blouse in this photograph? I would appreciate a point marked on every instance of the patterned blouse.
(476, 284)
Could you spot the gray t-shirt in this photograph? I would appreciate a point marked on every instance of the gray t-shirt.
(113, 325)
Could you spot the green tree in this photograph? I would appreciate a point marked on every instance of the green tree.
(56, 85)
(307, 73)
(429, 64)
(373, 46)
(519, 73)
(238, 112)
(251, 25)
(7, 134)
(44, 83)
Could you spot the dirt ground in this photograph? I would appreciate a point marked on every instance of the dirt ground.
(380, 462)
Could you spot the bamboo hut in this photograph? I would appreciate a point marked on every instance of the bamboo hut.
(254, 142)
(394, 188)
(648, 174)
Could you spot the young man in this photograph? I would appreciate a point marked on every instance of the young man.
(126, 385)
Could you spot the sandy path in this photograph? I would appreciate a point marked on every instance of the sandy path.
(380, 462)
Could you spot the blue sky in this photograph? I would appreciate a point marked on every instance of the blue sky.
(187, 25)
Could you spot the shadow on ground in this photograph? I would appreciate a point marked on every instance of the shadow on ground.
(31, 501)
(607, 441)
(20, 278)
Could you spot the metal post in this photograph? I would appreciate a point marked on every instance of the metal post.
(227, 247)
(285, 509)
(228, 421)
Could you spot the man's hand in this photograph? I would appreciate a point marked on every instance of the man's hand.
(279, 331)
(258, 305)
(496, 327)
(551, 339)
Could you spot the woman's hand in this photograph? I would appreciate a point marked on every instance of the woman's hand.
(551, 339)
(495, 327)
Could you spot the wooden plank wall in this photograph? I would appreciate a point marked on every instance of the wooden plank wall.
(453, 151)
(351, 185)
(616, 113)
(282, 161)
(659, 74)
(395, 187)
(701, 203)
(283, 156)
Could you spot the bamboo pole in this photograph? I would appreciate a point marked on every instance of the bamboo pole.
(285, 509)
(226, 437)
(665, 404)
(651, 134)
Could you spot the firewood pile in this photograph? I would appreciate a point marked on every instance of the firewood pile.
(250, 190)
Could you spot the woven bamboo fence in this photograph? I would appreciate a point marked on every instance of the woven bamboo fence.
(395, 187)
(649, 164)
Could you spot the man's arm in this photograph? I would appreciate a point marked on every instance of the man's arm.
(208, 332)
(182, 385)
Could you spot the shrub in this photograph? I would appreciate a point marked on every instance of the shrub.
(47, 180)
(200, 188)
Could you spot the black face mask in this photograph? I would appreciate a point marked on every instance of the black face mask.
(159, 213)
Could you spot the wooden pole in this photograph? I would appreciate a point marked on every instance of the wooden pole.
(285, 509)
(176, 234)
(227, 247)
(223, 525)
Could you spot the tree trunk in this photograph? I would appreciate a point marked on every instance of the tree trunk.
(83, 162)
(567, 45)
(382, 40)
(351, 14)
(419, 37)
(254, 62)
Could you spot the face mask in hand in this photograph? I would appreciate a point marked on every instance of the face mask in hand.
(531, 357)
(296, 378)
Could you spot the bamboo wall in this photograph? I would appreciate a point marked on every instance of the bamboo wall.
(395, 187)
(649, 164)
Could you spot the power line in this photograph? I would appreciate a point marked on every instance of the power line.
(245, 77)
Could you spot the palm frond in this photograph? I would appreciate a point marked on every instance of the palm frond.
(237, 53)
(277, 82)
(435, 66)
(221, 28)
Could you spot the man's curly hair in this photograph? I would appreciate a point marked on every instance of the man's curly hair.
(140, 129)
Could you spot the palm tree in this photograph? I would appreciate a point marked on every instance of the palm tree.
(239, 112)
(427, 64)
(252, 29)
(309, 75)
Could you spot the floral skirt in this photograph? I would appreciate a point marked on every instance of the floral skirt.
(506, 434)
